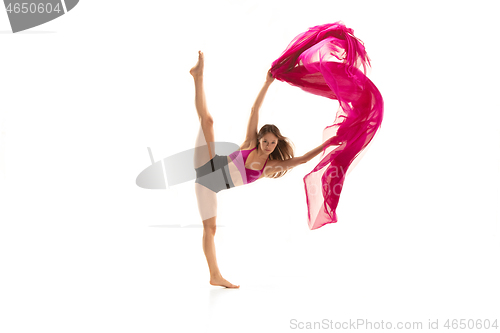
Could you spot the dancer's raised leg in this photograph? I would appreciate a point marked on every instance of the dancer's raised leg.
(202, 155)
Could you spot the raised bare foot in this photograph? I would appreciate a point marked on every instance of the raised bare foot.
(220, 281)
(197, 70)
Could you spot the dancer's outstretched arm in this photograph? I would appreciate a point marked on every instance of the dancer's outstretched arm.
(253, 122)
(274, 166)
(311, 154)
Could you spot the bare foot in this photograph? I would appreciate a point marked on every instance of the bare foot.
(197, 70)
(220, 281)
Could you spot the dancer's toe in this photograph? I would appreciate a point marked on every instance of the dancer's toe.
(220, 281)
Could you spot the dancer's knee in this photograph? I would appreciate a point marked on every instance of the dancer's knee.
(207, 120)
(209, 226)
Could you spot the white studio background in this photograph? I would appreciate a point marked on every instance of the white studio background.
(84, 249)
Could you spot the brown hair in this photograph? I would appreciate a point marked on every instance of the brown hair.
(283, 150)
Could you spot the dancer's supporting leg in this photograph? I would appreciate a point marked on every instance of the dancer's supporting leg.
(207, 199)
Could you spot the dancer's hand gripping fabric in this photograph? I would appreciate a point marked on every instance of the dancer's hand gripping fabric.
(269, 77)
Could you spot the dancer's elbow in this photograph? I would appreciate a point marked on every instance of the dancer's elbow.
(304, 159)
(301, 160)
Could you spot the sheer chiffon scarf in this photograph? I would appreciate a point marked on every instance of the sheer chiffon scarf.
(329, 61)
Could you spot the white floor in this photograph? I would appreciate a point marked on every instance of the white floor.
(86, 270)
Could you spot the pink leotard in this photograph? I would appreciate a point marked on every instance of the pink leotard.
(251, 175)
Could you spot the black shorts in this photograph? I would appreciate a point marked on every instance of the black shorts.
(214, 174)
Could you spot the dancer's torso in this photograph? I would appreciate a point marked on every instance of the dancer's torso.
(241, 166)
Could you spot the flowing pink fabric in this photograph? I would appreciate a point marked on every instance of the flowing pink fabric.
(326, 60)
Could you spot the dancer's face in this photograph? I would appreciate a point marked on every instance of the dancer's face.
(268, 142)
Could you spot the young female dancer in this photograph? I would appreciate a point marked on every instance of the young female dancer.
(264, 153)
